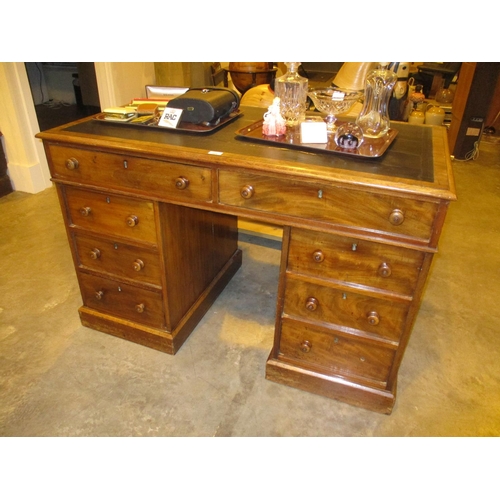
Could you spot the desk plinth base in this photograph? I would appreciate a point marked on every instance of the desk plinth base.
(330, 386)
(155, 338)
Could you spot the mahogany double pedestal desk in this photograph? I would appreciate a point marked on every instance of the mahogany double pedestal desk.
(151, 217)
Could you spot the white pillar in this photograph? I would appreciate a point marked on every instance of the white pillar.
(26, 162)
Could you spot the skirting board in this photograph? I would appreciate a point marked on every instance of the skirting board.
(28, 178)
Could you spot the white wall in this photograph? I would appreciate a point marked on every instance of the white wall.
(59, 81)
(120, 82)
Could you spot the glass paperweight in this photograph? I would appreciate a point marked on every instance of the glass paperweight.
(348, 137)
(332, 102)
(291, 88)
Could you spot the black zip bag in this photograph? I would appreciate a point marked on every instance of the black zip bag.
(206, 105)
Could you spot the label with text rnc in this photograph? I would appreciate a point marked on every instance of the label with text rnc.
(170, 117)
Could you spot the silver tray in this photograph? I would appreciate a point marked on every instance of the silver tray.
(371, 148)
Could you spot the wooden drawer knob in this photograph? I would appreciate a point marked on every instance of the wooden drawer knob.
(247, 192)
(306, 346)
(95, 253)
(384, 270)
(181, 183)
(99, 295)
(132, 220)
(396, 217)
(318, 256)
(138, 265)
(85, 211)
(72, 163)
(373, 318)
(312, 304)
(140, 308)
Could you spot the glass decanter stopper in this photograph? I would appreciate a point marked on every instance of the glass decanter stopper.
(291, 88)
(374, 117)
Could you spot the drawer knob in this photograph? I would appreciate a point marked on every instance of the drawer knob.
(373, 318)
(384, 270)
(306, 346)
(95, 253)
(99, 295)
(247, 192)
(140, 308)
(138, 265)
(318, 256)
(181, 183)
(85, 211)
(72, 163)
(132, 220)
(397, 217)
(312, 303)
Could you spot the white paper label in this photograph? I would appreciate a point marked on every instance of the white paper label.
(473, 131)
(170, 117)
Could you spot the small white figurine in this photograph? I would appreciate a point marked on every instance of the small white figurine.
(274, 123)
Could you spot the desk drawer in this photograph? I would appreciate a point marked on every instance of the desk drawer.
(111, 214)
(334, 351)
(122, 300)
(119, 259)
(355, 261)
(130, 173)
(377, 316)
(346, 207)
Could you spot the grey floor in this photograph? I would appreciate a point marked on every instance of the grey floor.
(58, 378)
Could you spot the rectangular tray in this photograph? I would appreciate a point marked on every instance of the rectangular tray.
(182, 126)
(370, 148)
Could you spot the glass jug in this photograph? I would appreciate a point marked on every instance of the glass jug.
(374, 117)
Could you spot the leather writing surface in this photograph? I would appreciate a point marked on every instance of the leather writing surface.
(404, 158)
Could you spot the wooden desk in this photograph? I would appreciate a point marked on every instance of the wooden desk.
(151, 218)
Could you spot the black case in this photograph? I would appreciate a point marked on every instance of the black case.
(207, 105)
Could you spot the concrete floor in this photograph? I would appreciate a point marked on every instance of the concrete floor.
(59, 378)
